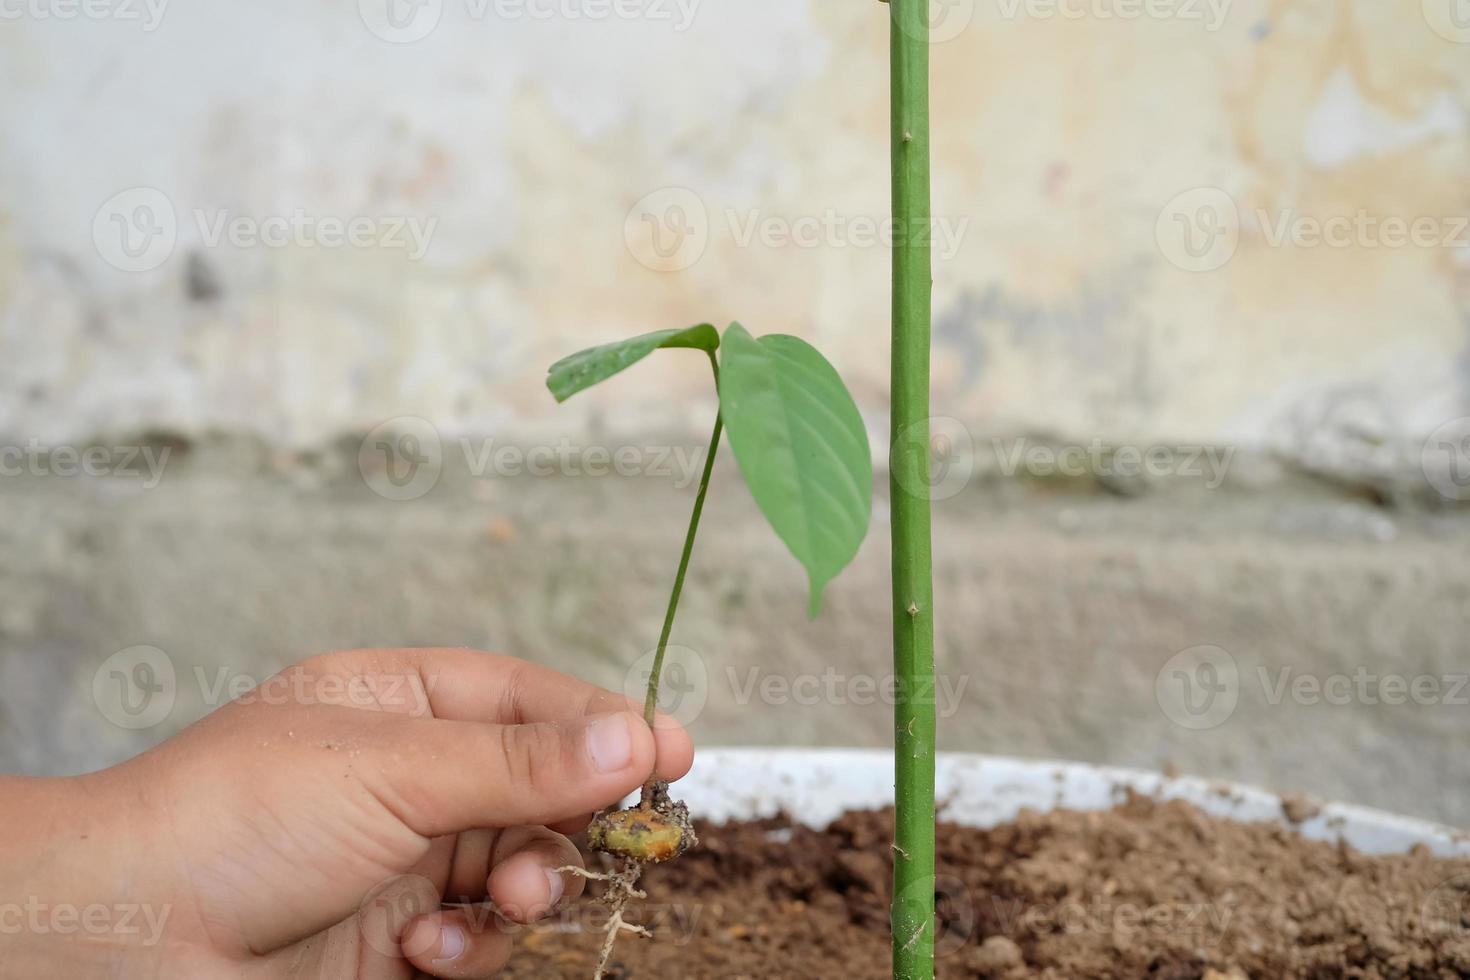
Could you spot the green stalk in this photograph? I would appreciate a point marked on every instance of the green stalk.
(913, 587)
(650, 704)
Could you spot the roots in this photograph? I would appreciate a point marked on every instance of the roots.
(621, 890)
(656, 830)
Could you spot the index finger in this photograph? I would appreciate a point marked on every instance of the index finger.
(474, 685)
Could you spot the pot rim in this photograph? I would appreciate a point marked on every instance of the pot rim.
(818, 785)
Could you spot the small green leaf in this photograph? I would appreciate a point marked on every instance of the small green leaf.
(802, 447)
(586, 368)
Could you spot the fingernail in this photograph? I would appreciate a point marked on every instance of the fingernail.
(451, 943)
(610, 743)
(558, 885)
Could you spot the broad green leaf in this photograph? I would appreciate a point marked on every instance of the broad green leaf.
(802, 447)
(586, 368)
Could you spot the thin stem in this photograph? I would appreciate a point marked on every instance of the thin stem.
(650, 704)
(913, 587)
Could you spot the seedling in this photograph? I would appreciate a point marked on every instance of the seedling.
(803, 450)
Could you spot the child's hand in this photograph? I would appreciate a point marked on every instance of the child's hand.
(313, 828)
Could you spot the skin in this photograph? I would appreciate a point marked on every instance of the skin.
(365, 815)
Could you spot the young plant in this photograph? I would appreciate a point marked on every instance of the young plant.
(803, 450)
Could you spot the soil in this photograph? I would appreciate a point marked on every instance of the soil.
(1147, 890)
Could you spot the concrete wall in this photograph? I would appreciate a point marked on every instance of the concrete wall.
(1223, 632)
(256, 231)
(1132, 200)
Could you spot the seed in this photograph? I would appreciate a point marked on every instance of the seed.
(643, 835)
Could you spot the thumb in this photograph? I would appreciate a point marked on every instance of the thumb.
(444, 777)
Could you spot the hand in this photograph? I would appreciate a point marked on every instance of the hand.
(316, 827)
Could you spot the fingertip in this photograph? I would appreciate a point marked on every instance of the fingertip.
(621, 744)
(455, 946)
(530, 885)
(645, 742)
(432, 939)
(675, 748)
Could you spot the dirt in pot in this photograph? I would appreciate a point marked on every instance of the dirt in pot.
(1147, 890)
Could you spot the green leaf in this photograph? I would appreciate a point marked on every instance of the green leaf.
(802, 447)
(586, 368)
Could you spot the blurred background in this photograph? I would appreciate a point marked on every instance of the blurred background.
(280, 281)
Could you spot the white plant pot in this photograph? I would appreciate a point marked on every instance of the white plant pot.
(817, 785)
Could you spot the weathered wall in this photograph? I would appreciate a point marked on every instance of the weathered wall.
(523, 147)
(1163, 222)
(1224, 632)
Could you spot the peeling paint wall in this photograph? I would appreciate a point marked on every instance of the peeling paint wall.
(1128, 192)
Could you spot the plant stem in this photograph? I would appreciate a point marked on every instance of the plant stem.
(913, 587)
(650, 704)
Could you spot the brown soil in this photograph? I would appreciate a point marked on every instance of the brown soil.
(1148, 890)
